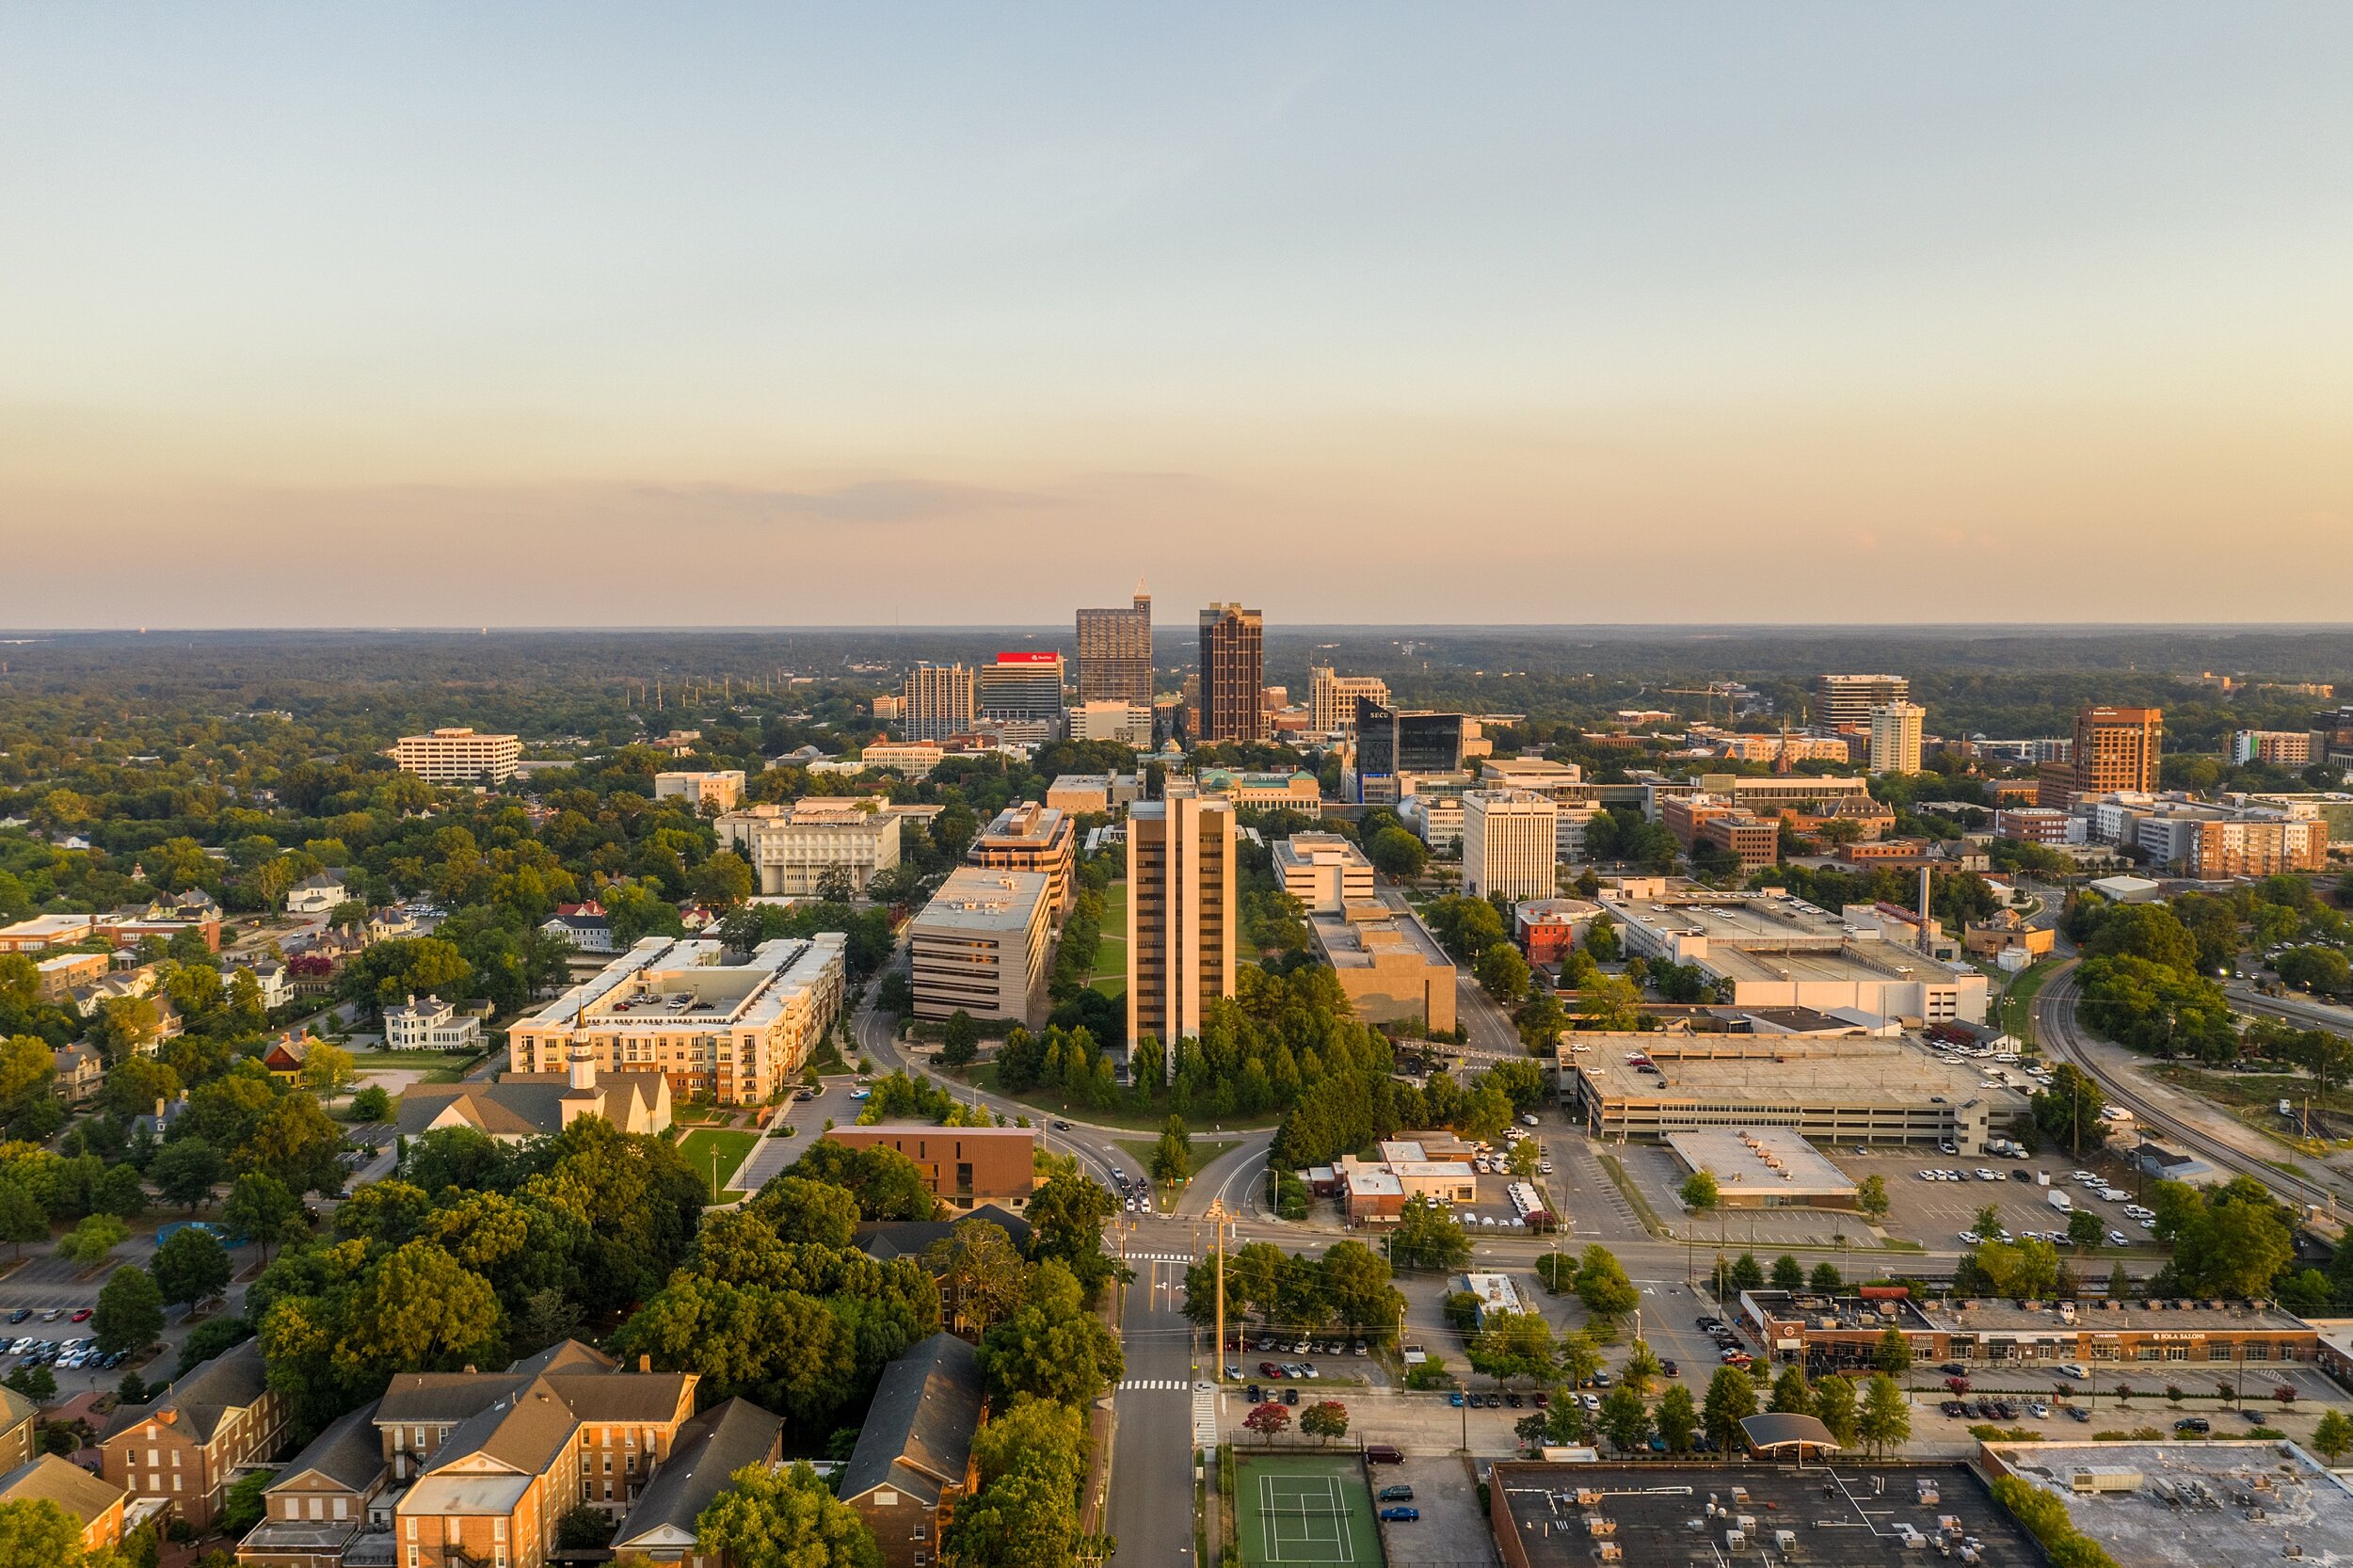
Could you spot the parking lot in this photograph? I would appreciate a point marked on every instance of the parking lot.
(1451, 1529)
(1935, 1212)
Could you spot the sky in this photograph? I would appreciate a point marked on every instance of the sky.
(769, 315)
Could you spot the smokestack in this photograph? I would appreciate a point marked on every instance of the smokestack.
(1924, 909)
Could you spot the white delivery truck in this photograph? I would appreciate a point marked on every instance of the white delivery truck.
(2058, 1199)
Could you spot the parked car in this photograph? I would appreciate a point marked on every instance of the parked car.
(1400, 1515)
(1396, 1495)
(2194, 1423)
(1382, 1453)
(1456, 1398)
(1671, 1369)
(2077, 1413)
(1291, 1396)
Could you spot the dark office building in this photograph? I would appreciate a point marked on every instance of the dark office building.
(1115, 653)
(1389, 741)
(1233, 675)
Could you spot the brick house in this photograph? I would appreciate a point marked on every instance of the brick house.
(94, 1505)
(184, 1445)
(914, 1454)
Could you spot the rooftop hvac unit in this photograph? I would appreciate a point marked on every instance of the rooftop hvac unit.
(1785, 1540)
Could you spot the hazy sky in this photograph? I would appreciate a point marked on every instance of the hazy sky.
(660, 314)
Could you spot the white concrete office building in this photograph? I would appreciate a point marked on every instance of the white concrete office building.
(793, 846)
(1323, 870)
(458, 757)
(983, 946)
(1509, 843)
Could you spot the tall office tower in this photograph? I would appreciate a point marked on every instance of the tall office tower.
(1510, 840)
(1183, 902)
(1896, 737)
(2118, 748)
(1389, 742)
(938, 701)
(1233, 675)
(1115, 652)
(1332, 698)
(1024, 687)
(1850, 698)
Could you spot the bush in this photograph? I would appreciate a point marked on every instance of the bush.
(1557, 1273)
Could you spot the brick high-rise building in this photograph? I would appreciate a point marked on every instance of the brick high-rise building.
(1115, 652)
(1233, 675)
(1184, 894)
(2117, 748)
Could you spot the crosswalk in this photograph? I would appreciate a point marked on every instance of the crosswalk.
(1204, 1416)
(1161, 1257)
(1149, 1386)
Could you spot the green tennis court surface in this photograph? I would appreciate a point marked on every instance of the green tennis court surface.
(1302, 1507)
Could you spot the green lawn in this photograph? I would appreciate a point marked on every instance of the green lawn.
(1139, 1118)
(1204, 1151)
(435, 1067)
(2018, 1008)
(733, 1147)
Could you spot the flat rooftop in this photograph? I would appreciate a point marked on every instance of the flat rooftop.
(1761, 936)
(1760, 1160)
(661, 984)
(975, 899)
(1354, 940)
(2198, 1504)
(1775, 1073)
(1843, 1515)
(2184, 1317)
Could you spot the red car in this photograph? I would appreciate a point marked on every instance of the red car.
(83, 1316)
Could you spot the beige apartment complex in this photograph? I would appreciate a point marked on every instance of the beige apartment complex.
(792, 846)
(736, 1032)
(1120, 722)
(983, 946)
(1032, 838)
(1183, 904)
(1323, 871)
(458, 757)
(1332, 698)
(1896, 737)
(1510, 841)
(1850, 698)
(940, 701)
(720, 790)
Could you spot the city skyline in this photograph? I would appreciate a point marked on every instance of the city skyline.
(456, 317)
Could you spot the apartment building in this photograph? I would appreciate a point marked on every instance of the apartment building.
(716, 789)
(2116, 748)
(184, 1445)
(2278, 748)
(1033, 837)
(1323, 871)
(794, 847)
(914, 758)
(1332, 698)
(1183, 907)
(55, 978)
(458, 756)
(737, 1032)
(1896, 737)
(983, 946)
(323, 1499)
(1850, 698)
(940, 701)
(1115, 652)
(1024, 687)
(2239, 843)
(95, 1508)
(1509, 839)
(1755, 840)
(2039, 824)
(1233, 675)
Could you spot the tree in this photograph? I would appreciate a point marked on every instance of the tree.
(326, 1069)
(1676, 1419)
(1834, 1407)
(981, 1274)
(1987, 1221)
(2315, 968)
(372, 1104)
(1269, 1420)
(130, 1312)
(1792, 1394)
(244, 1507)
(1731, 1400)
(22, 1217)
(960, 1041)
(1511, 1345)
(1580, 1358)
(2068, 1112)
(185, 1170)
(1747, 1273)
(1486, 1114)
(1354, 1284)
(1825, 1279)
(191, 1267)
(1893, 1355)
(37, 1533)
(1396, 854)
(1172, 1162)
(1789, 1273)
(1325, 1418)
(784, 1519)
(1501, 972)
(2084, 1229)
(1610, 1001)
(1625, 1417)
(1871, 1198)
(1053, 1348)
(582, 1527)
(1642, 1368)
(88, 1243)
(297, 1142)
(1426, 1236)
(1602, 1284)
(2333, 1436)
(36, 1383)
(1885, 1420)
(262, 1211)
(1700, 1193)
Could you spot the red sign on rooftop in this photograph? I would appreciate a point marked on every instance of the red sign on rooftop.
(1046, 658)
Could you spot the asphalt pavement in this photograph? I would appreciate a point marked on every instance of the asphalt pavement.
(1151, 1488)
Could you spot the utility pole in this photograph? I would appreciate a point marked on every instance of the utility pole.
(1216, 1219)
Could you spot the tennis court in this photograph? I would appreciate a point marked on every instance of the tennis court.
(1302, 1507)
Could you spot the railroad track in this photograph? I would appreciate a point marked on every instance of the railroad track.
(2054, 1018)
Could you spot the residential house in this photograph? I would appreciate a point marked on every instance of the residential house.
(315, 895)
(271, 974)
(583, 925)
(914, 1454)
(18, 1415)
(86, 1000)
(80, 1071)
(184, 1445)
(321, 1499)
(93, 1504)
(884, 1240)
(430, 1025)
(706, 1452)
(284, 1059)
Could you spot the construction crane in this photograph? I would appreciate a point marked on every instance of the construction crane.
(1728, 689)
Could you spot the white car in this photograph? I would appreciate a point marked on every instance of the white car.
(2118, 1239)
(2148, 1225)
(1970, 1237)
(2038, 1409)
(1985, 1173)
(2074, 1370)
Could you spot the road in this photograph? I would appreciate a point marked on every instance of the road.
(1151, 1493)
(2063, 1039)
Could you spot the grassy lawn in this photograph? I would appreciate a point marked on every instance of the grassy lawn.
(2254, 1099)
(1110, 973)
(435, 1066)
(732, 1147)
(1204, 1151)
(1138, 1118)
(2018, 1008)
